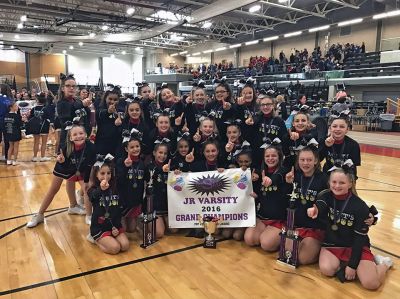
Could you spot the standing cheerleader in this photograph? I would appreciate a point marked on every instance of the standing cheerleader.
(133, 120)
(182, 150)
(338, 147)
(272, 200)
(146, 96)
(66, 105)
(266, 126)
(39, 123)
(12, 130)
(221, 106)
(300, 134)
(163, 133)
(73, 164)
(195, 107)
(106, 228)
(234, 144)
(346, 248)
(309, 181)
(108, 136)
(165, 104)
(157, 172)
(130, 180)
(206, 130)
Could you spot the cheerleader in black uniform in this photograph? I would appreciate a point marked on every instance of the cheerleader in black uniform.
(163, 133)
(146, 97)
(266, 126)
(207, 130)
(222, 106)
(234, 144)
(12, 132)
(271, 200)
(73, 164)
(346, 248)
(39, 118)
(130, 180)
(66, 105)
(108, 136)
(157, 171)
(134, 120)
(246, 108)
(84, 113)
(106, 228)
(183, 148)
(309, 181)
(195, 108)
(338, 147)
(300, 134)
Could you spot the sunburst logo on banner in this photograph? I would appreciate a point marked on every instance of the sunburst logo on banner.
(209, 184)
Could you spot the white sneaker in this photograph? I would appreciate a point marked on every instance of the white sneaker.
(36, 219)
(45, 159)
(14, 163)
(385, 260)
(77, 210)
(9, 162)
(35, 159)
(88, 219)
(2, 158)
(90, 239)
(79, 198)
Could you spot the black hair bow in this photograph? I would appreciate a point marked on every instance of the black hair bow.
(133, 134)
(70, 124)
(181, 135)
(101, 159)
(141, 84)
(347, 166)
(219, 81)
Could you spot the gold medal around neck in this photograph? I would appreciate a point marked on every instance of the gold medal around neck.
(303, 201)
(334, 227)
(107, 215)
(77, 173)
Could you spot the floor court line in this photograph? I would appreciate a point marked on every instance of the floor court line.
(379, 182)
(97, 270)
(31, 214)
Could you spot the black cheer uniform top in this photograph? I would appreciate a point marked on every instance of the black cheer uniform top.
(348, 214)
(106, 211)
(81, 160)
(130, 184)
(306, 191)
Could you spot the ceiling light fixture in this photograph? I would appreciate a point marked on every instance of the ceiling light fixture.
(123, 52)
(293, 34)
(71, 47)
(64, 52)
(92, 34)
(207, 51)
(253, 42)
(16, 36)
(350, 22)
(175, 54)
(388, 14)
(23, 18)
(12, 47)
(220, 49)
(130, 11)
(267, 39)
(196, 54)
(104, 27)
(137, 48)
(20, 26)
(234, 46)
(183, 53)
(206, 25)
(80, 44)
(254, 8)
(319, 28)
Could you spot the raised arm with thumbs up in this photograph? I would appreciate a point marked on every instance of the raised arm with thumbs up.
(190, 157)
(290, 176)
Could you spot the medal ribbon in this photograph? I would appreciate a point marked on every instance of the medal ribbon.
(336, 220)
(80, 159)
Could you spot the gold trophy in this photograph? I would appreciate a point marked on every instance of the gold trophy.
(210, 226)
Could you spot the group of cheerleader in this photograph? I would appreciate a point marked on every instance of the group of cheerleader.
(137, 142)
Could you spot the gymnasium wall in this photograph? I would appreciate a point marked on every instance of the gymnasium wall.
(12, 62)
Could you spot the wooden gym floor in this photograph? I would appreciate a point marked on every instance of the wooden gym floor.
(55, 260)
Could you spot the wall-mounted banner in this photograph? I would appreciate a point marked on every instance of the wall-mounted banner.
(224, 195)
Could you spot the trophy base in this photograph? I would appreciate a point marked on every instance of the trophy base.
(144, 246)
(212, 244)
(290, 264)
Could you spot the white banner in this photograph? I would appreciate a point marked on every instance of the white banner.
(223, 195)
